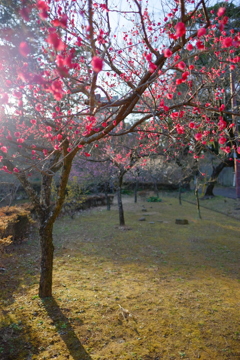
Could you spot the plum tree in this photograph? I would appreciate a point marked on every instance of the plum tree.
(72, 78)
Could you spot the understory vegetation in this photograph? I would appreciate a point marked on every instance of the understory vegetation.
(148, 291)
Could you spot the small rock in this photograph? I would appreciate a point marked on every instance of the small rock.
(80, 311)
(142, 219)
(120, 341)
(181, 221)
(151, 222)
(144, 209)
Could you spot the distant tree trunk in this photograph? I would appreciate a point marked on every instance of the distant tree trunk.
(215, 173)
(106, 187)
(135, 191)
(198, 203)
(156, 188)
(108, 203)
(180, 194)
(119, 194)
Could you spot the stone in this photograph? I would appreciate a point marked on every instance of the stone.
(181, 221)
(142, 219)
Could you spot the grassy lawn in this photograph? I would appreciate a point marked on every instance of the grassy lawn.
(179, 283)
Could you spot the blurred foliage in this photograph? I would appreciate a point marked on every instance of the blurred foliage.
(154, 199)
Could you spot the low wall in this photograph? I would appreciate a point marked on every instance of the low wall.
(87, 202)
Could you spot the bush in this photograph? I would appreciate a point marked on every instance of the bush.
(154, 199)
(15, 222)
(4, 243)
(126, 192)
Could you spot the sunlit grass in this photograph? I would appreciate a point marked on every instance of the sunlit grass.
(180, 284)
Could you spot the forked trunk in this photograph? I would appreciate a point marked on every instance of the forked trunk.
(209, 189)
(47, 249)
(47, 213)
(215, 173)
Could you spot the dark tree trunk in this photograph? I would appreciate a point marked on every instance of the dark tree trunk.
(120, 208)
(198, 203)
(108, 203)
(106, 187)
(180, 194)
(47, 249)
(119, 195)
(209, 189)
(135, 191)
(215, 173)
(156, 188)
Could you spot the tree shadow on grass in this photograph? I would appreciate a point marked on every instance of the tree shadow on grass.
(20, 267)
(17, 340)
(65, 330)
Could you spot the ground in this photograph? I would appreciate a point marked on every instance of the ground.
(151, 290)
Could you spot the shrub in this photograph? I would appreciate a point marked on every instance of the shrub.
(126, 192)
(15, 222)
(154, 199)
(4, 243)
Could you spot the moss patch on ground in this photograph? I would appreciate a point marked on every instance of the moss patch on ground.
(151, 290)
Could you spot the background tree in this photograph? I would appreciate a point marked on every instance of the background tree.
(120, 155)
(225, 92)
(96, 176)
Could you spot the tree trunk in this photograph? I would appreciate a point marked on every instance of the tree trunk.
(209, 189)
(119, 195)
(198, 203)
(106, 187)
(215, 173)
(47, 216)
(108, 203)
(47, 249)
(180, 194)
(135, 191)
(120, 208)
(156, 188)
(47, 213)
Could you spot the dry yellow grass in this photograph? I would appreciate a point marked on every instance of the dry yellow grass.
(179, 284)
